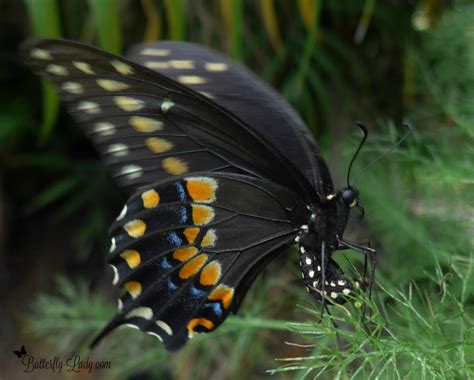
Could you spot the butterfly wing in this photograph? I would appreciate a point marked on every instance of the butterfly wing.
(185, 250)
(237, 89)
(149, 127)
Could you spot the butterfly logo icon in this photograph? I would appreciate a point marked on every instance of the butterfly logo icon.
(21, 353)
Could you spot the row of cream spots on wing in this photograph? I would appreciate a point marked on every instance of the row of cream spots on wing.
(199, 189)
(158, 60)
(82, 67)
(125, 69)
(191, 69)
(85, 109)
(171, 163)
(141, 124)
(143, 147)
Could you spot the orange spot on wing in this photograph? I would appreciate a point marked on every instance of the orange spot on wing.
(184, 254)
(132, 258)
(134, 288)
(199, 322)
(135, 228)
(150, 198)
(193, 266)
(202, 189)
(191, 233)
(222, 293)
(210, 274)
(202, 214)
(209, 239)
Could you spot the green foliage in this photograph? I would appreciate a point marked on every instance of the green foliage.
(107, 21)
(361, 60)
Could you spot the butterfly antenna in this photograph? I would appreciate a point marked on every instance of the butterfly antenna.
(408, 128)
(366, 133)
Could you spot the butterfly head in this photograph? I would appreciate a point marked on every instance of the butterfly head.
(350, 198)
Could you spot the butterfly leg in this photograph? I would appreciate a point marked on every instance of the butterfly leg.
(369, 253)
(323, 279)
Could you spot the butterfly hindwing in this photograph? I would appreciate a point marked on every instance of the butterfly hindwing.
(185, 250)
(240, 91)
(148, 126)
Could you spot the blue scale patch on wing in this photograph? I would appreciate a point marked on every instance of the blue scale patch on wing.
(182, 276)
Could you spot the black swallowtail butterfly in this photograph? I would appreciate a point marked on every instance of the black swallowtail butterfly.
(223, 175)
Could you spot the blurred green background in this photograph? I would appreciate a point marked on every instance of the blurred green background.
(381, 62)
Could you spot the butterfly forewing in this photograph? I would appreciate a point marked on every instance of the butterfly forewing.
(185, 250)
(238, 90)
(148, 126)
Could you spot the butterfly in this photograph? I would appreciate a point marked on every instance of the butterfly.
(222, 175)
(21, 353)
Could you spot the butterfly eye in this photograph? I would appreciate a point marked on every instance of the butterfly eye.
(349, 196)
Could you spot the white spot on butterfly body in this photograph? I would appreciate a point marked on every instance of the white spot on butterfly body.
(119, 305)
(131, 171)
(311, 273)
(165, 327)
(117, 150)
(304, 228)
(308, 261)
(216, 66)
(157, 65)
(333, 284)
(104, 128)
(155, 52)
(333, 295)
(90, 108)
(315, 284)
(57, 70)
(129, 104)
(181, 64)
(116, 275)
(122, 68)
(41, 54)
(84, 67)
(346, 291)
(141, 312)
(318, 268)
(166, 105)
(122, 213)
(72, 88)
(112, 85)
(341, 282)
(131, 325)
(191, 79)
